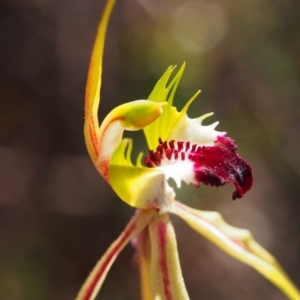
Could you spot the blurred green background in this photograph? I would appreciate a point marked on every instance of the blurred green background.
(57, 215)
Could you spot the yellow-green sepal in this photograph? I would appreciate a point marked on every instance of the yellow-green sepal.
(136, 185)
(239, 243)
(93, 85)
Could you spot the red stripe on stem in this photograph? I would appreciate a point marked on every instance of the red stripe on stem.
(162, 237)
(114, 251)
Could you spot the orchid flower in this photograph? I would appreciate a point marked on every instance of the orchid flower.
(182, 149)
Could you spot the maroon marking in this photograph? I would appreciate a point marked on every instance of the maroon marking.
(187, 146)
(171, 144)
(180, 145)
(182, 156)
(169, 153)
(176, 154)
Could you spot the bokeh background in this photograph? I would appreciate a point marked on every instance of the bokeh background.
(57, 215)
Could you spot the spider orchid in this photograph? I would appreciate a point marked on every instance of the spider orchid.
(180, 148)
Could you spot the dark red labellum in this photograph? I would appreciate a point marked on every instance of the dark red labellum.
(213, 165)
(220, 164)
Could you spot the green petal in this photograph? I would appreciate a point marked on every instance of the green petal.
(162, 92)
(174, 125)
(136, 185)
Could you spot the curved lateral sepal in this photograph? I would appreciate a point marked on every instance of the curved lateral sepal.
(166, 277)
(143, 248)
(95, 280)
(238, 243)
(93, 85)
